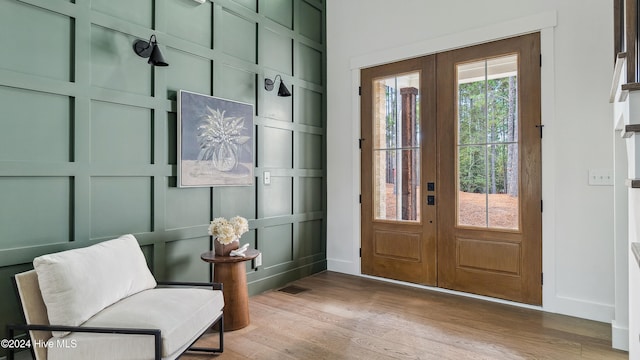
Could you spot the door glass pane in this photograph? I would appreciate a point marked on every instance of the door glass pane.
(487, 150)
(396, 147)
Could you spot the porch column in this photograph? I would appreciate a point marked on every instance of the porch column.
(409, 140)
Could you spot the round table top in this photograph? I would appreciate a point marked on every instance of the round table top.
(211, 257)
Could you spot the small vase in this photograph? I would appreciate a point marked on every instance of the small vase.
(225, 249)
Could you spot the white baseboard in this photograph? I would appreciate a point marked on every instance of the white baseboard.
(619, 336)
(343, 266)
(579, 308)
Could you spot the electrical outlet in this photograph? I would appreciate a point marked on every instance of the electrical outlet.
(266, 176)
(258, 260)
(600, 177)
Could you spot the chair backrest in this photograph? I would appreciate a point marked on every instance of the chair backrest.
(35, 311)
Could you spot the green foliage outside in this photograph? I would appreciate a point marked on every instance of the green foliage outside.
(487, 136)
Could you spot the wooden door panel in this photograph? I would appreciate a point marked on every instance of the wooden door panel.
(489, 256)
(399, 243)
(403, 246)
(397, 255)
(498, 262)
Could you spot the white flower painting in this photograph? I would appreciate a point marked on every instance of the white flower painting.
(215, 141)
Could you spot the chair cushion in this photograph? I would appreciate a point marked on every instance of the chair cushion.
(76, 284)
(181, 314)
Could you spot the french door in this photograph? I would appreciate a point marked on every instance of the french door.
(451, 185)
(399, 149)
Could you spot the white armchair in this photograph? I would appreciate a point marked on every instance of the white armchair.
(102, 302)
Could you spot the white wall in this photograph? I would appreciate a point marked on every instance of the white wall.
(577, 44)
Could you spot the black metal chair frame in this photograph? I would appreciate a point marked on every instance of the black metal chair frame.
(156, 333)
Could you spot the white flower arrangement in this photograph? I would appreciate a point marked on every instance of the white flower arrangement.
(228, 231)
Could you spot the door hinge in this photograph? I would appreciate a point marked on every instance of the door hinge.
(360, 143)
(540, 60)
(360, 90)
(541, 206)
(360, 252)
(540, 128)
(541, 278)
(360, 199)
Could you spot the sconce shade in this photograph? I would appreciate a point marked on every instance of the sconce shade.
(149, 49)
(282, 89)
(156, 58)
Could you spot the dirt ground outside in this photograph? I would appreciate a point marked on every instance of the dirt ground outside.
(503, 209)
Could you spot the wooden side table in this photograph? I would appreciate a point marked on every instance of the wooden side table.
(230, 271)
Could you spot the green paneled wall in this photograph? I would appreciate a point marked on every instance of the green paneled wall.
(88, 131)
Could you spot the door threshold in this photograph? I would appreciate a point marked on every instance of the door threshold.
(454, 292)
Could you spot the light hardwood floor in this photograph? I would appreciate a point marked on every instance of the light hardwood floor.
(348, 317)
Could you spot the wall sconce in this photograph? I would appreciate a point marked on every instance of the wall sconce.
(150, 50)
(282, 90)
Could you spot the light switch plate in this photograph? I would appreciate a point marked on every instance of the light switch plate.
(601, 177)
(267, 177)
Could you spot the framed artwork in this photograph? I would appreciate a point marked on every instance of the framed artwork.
(215, 141)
